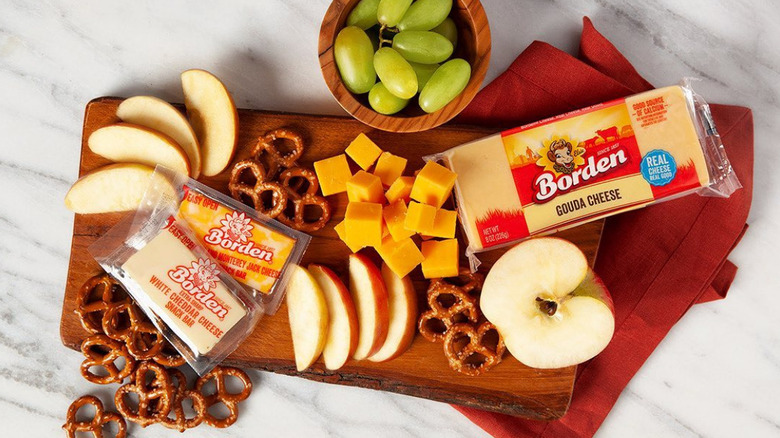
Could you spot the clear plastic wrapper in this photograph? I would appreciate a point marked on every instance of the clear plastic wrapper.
(200, 309)
(255, 249)
(587, 164)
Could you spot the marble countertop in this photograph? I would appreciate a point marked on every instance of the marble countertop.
(716, 374)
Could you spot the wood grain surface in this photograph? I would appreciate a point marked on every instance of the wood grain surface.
(474, 44)
(422, 371)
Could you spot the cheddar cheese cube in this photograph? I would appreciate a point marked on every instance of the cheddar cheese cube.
(363, 151)
(341, 230)
(395, 215)
(401, 257)
(419, 217)
(433, 184)
(401, 188)
(443, 224)
(365, 187)
(333, 174)
(440, 258)
(389, 167)
(363, 223)
(385, 229)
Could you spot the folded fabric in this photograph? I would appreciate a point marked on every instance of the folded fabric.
(657, 261)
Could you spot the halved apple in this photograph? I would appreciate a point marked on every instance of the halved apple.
(308, 314)
(548, 305)
(128, 143)
(214, 118)
(343, 321)
(116, 187)
(370, 297)
(403, 316)
(161, 116)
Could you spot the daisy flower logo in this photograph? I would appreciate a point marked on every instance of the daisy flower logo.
(203, 274)
(237, 227)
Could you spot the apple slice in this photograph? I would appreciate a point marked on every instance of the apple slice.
(550, 308)
(116, 187)
(128, 143)
(161, 116)
(370, 296)
(403, 316)
(214, 118)
(342, 336)
(308, 314)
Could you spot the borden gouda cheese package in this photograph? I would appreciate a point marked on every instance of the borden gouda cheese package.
(200, 309)
(587, 164)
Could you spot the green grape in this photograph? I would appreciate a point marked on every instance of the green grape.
(354, 53)
(390, 12)
(422, 46)
(395, 72)
(423, 72)
(447, 82)
(363, 15)
(448, 29)
(383, 101)
(425, 14)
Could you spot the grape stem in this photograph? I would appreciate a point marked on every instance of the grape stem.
(382, 40)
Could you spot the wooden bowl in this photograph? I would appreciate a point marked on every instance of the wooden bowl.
(473, 46)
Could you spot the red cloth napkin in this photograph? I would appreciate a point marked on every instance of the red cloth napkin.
(657, 261)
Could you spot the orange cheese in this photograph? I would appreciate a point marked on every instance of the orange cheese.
(365, 187)
(333, 174)
(402, 256)
(401, 188)
(433, 184)
(443, 224)
(341, 230)
(389, 167)
(419, 217)
(395, 215)
(363, 223)
(440, 258)
(363, 151)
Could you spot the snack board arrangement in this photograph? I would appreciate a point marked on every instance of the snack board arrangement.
(210, 237)
(422, 370)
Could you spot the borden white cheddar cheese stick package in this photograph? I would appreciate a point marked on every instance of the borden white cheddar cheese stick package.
(198, 307)
(587, 164)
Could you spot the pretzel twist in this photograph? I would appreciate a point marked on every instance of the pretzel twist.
(221, 394)
(301, 185)
(239, 188)
(169, 357)
(464, 307)
(91, 310)
(266, 152)
(155, 397)
(460, 356)
(94, 425)
(127, 323)
(181, 393)
(102, 351)
(469, 282)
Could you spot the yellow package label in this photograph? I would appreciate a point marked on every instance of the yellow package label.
(253, 254)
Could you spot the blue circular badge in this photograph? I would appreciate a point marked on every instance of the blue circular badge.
(658, 167)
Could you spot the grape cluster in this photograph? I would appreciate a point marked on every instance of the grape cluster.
(406, 45)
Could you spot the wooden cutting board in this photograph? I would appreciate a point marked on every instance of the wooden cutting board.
(422, 371)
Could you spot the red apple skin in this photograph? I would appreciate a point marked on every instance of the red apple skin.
(382, 308)
(604, 296)
(349, 305)
(411, 309)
